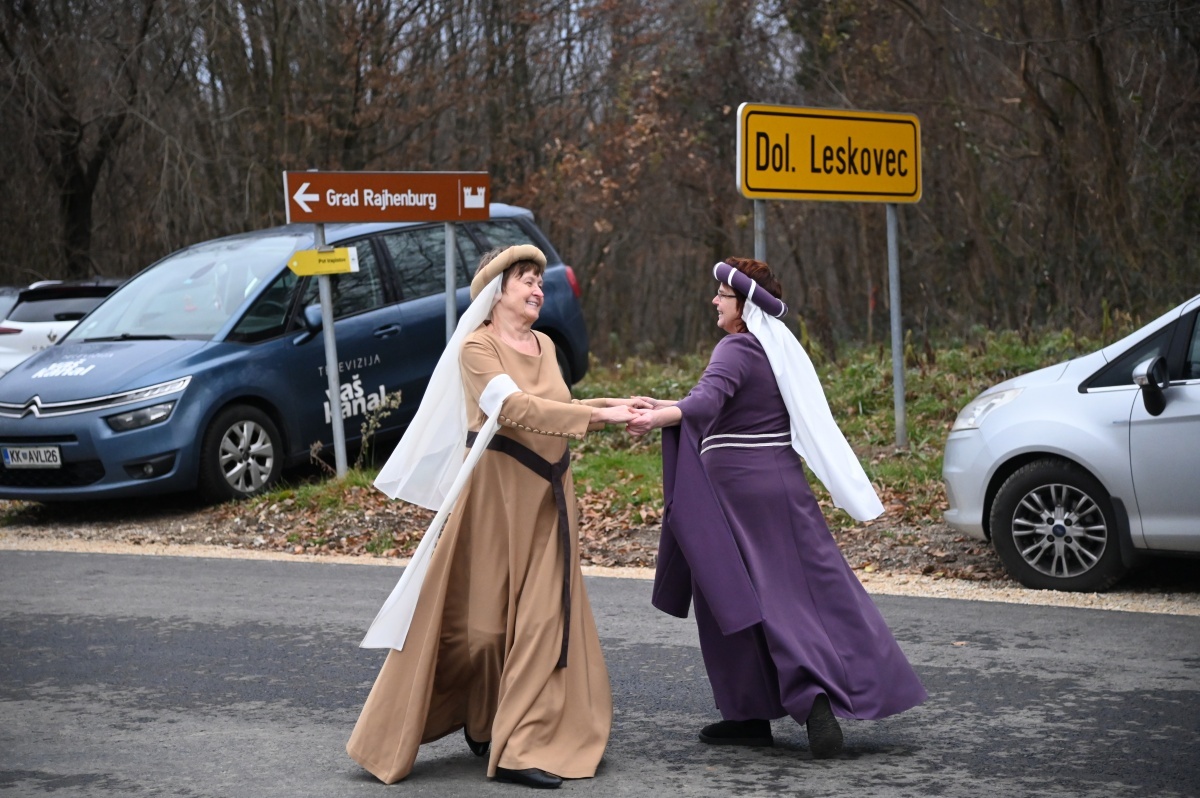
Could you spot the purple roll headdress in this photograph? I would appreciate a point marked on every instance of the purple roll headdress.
(744, 284)
(815, 435)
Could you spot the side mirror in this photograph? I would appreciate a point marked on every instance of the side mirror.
(312, 325)
(1153, 378)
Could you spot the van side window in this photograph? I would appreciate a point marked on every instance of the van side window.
(356, 292)
(266, 317)
(419, 257)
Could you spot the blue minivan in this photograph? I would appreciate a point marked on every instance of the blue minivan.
(207, 369)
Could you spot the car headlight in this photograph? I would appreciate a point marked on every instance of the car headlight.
(971, 416)
(136, 419)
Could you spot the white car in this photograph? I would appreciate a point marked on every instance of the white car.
(1076, 470)
(43, 313)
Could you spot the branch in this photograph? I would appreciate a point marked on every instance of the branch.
(110, 132)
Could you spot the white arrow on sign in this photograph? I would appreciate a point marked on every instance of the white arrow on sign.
(303, 199)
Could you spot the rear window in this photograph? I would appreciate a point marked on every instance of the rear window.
(54, 308)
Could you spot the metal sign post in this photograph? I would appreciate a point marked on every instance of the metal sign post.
(331, 360)
(322, 262)
(893, 250)
(451, 305)
(760, 230)
(822, 154)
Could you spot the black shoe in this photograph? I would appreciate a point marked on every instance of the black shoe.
(477, 748)
(738, 732)
(824, 733)
(530, 777)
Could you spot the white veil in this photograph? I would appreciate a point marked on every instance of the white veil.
(423, 465)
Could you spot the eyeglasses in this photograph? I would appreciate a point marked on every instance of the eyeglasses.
(726, 296)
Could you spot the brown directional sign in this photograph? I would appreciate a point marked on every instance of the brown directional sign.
(320, 197)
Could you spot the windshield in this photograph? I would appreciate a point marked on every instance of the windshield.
(193, 293)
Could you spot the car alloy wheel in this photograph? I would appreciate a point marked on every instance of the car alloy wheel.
(247, 456)
(1054, 527)
(241, 454)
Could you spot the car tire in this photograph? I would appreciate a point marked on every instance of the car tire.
(1036, 520)
(241, 454)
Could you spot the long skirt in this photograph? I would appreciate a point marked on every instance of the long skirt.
(484, 644)
(821, 632)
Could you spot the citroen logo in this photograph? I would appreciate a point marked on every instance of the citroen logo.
(53, 336)
(33, 406)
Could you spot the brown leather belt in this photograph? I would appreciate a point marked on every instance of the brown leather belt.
(552, 473)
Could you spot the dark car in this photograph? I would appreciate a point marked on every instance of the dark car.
(207, 370)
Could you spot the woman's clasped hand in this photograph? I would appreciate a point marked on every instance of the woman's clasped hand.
(651, 414)
(619, 411)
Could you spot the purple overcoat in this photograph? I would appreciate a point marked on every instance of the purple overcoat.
(782, 617)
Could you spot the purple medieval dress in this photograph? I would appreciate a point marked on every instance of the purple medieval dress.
(782, 618)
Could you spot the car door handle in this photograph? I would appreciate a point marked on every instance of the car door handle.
(386, 331)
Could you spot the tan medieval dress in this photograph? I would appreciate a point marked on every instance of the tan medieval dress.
(485, 639)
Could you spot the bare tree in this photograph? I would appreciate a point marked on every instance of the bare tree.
(75, 77)
(1060, 141)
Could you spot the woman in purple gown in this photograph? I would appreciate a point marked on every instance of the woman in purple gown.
(785, 626)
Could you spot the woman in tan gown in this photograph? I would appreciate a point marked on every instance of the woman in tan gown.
(486, 650)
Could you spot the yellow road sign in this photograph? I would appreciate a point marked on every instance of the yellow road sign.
(785, 152)
(307, 262)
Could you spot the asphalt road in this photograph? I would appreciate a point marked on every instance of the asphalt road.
(148, 676)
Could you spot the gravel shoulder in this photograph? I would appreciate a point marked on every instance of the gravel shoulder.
(930, 560)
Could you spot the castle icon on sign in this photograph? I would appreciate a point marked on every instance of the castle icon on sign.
(472, 197)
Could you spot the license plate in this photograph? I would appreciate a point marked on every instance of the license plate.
(31, 457)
